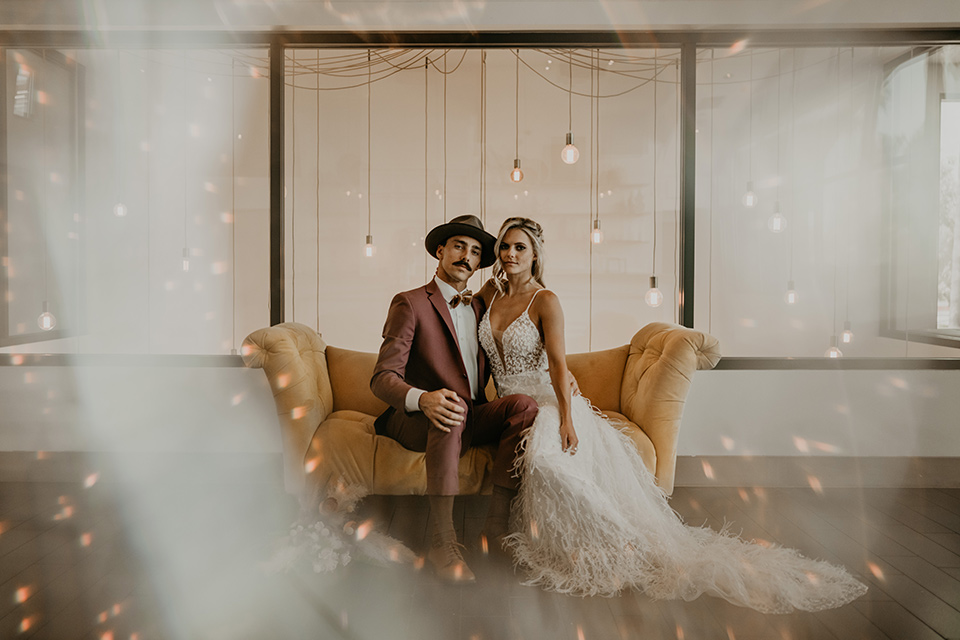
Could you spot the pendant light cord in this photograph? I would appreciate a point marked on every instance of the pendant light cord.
(517, 107)
(445, 54)
(656, 82)
(793, 155)
(369, 157)
(426, 148)
(293, 196)
(318, 191)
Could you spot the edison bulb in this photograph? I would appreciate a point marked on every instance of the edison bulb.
(653, 297)
(791, 295)
(186, 259)
(369, 248)
(847, 336)
(596, 236)
(777, 223)
(516, 175)
(750, 199)
(46, 321)
(570, 154)
(119, 209)
(833, 351)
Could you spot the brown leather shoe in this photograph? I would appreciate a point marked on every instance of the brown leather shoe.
(446, 558)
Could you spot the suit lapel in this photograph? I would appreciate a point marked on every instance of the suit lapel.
(443, 310)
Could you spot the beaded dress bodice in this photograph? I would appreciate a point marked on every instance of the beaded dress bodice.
(519, 358)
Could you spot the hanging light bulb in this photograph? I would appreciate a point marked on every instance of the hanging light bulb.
(46, 321)
(516, 174)
(791, 295)
(570, 154)
(186, 259)
(369, 249)
(596, 236)
(847, 336)
(654, 296)
(120, 210)
(833, 351)
(777, 223)
(750, 198)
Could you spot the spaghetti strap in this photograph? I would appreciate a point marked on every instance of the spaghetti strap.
(529, 304)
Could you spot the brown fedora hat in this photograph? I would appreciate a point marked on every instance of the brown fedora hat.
(466, 225)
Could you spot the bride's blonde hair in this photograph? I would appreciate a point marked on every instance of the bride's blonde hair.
(535, 232)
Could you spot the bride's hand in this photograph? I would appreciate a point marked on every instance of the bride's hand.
(568, 438)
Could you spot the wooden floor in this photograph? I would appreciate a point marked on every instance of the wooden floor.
(118, 561)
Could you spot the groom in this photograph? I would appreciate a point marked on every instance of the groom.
(432, 373)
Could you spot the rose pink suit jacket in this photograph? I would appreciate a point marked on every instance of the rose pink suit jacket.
(420, 350)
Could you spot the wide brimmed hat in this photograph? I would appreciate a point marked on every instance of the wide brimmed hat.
(467, 225)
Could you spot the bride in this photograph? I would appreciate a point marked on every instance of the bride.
(589, 518)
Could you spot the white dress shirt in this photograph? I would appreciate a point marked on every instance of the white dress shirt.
(465, 326)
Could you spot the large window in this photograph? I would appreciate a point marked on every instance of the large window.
(137, 200)
(817, 201)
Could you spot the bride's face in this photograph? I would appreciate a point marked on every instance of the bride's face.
(516, 253)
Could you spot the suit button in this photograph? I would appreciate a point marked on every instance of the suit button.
(464, 375)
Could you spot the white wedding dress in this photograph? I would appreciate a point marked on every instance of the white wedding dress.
(596, 522)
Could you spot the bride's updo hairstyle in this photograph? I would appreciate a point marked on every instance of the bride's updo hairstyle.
(535, 232)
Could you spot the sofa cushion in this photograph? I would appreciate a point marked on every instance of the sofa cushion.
(350, 373)
(599, 374)
(345, 449)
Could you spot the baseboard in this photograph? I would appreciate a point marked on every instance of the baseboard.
(817, 471)
(166, 467)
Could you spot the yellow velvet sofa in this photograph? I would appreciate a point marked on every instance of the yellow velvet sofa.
(326, 408)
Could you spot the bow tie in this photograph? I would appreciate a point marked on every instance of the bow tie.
(464, 297)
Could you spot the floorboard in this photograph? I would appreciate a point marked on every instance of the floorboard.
(184, 560)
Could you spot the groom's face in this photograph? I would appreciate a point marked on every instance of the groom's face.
(459, 258)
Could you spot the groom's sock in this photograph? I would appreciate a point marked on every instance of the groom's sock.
(441, 518)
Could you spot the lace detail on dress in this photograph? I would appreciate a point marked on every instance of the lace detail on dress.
(521, 348)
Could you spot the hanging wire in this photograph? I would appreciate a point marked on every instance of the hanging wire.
(369, 157)
(596, 195)
(293, 197)
(570, 98)
(426, 137)
(779, 76)
(836, 217)
(517, 108)
(856, 184)
(593, 144)
(713, 108)
(183, 70)
(676, 217)
(318, 194)
(791, 230)
(750, 140)
(483, 137)
(654, 255)
(445, 137)
(233, 212)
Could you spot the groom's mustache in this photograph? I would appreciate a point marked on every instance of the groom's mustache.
(464, 264)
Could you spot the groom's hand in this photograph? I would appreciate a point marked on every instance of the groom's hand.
(443, 408)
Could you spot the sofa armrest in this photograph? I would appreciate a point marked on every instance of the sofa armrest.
(656, 381)
(293, 356)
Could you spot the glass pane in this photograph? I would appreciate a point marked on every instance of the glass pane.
(445, 127)
(948, 283)
(817, 216)
(144, 208)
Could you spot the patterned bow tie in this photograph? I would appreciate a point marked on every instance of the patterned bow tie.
(464, 297)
